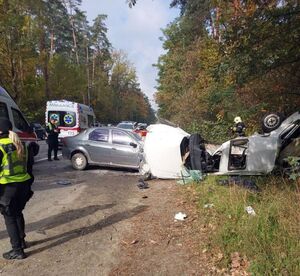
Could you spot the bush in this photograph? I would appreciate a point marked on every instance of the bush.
(213, 132)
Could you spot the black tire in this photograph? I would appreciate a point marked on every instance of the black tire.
(196, 152)
(79, 161)
(34, 147)
(271, 122)
(31, 155)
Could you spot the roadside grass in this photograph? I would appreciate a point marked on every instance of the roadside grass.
(270, 240)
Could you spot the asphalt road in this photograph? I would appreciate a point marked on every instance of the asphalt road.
(74, 218)
(43, 152)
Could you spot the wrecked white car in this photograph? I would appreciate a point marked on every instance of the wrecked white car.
(166, 149)
(162, 157)
(256, 154)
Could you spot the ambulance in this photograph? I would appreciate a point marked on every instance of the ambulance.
(10, 110)
(72, 117)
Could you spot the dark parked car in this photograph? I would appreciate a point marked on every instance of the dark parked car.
(39, 131)
(105, 146)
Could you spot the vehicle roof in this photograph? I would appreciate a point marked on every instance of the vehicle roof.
(4, 93)
(110, 127)
(127, 122)
(70, 104)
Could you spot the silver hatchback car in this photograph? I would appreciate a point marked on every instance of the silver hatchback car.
(104, 146)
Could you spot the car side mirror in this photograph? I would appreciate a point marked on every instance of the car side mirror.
(134, 145)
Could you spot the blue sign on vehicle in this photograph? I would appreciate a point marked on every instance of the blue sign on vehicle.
(68, 119)
(54, 117)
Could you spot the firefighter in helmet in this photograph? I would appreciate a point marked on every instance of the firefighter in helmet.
(239, 127)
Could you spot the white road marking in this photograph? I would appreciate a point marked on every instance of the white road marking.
(43, 159)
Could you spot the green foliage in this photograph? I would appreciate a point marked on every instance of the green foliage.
(229, 58)
(48, 51)
(213, 132)
(294, 167)
(269, 240)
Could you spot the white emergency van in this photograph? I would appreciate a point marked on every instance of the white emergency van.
(10, 110)
(72, 117)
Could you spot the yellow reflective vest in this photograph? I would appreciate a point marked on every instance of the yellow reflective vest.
(13, 169)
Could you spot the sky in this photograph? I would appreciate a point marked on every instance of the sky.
(136, 31)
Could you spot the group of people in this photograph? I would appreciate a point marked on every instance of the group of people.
(16, 179)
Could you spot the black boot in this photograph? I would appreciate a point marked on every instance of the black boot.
(14, 255)
(24, 244)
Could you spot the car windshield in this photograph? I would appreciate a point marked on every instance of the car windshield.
(125, 126)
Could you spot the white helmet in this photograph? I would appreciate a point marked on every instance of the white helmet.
(237, 120)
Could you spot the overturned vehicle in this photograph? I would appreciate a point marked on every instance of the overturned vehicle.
(168, 149)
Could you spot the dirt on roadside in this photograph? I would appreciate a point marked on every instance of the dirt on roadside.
(160, 245)
(110, 227)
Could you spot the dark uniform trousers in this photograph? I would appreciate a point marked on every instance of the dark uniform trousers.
(52, 145)
(13, 198)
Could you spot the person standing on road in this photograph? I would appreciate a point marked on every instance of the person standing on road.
(15, 188)
(52, 131)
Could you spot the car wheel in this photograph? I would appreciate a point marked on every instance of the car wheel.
(79, 161)
(271, 122)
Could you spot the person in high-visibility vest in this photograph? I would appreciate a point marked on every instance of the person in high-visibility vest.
(15, 188)
(52, 131)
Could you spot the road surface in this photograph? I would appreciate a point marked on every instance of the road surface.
(74, 228)
(97, 222)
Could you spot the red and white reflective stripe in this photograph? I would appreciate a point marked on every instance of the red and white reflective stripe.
(78, 129)
(26, 136)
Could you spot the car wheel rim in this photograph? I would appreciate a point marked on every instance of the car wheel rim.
(79, 161)
(272, 121)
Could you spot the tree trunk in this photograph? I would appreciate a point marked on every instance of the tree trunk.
(73, 28)
(51, 44)
(74, 40)
(88, 76)
(236, 6)
(217, 24)
(44, 62)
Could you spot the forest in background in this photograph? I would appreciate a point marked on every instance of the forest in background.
(49, 51)
(229, 58)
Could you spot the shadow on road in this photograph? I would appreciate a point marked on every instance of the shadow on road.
(75, 233)
(59, 219)
(40, 185)
(112, 169)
